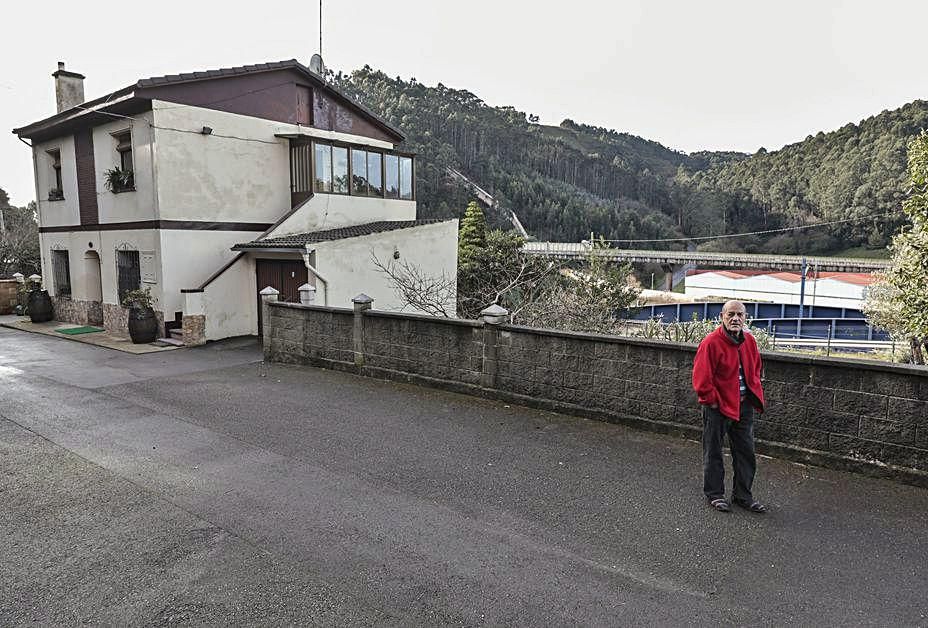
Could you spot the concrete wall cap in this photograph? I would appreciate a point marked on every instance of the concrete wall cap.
(494, 310)
(306, 286)
(362, 298)
(267, 291)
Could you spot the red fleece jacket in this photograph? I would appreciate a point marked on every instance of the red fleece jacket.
(715, 372)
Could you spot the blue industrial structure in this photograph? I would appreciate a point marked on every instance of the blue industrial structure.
(790, 321)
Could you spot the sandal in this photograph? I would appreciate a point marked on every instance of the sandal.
(752, 506)
(720, 504)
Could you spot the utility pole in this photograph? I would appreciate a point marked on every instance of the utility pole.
(814, 287)
(802, 287)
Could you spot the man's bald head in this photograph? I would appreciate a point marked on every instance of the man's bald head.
(733, 316)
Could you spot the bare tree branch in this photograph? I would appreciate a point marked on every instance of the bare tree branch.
(427, 293)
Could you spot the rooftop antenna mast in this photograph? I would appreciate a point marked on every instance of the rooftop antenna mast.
(316, 64)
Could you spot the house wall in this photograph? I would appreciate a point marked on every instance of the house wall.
(189, 258)
(125, 206)
(105, 243)
(227, 307)
(330, 211)
(215, 178)
(56, 213)
(271, 95)
(221, 179)
(333, 114)
(239, 174)
(348, 266)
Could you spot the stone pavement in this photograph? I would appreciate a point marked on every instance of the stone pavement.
(202, 486)
(99, 339)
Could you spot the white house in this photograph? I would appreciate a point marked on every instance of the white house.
(825, 289)
(208, 186)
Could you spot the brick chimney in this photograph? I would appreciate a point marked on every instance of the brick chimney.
(69, 88)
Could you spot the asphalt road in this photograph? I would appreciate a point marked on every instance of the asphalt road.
(202, 487)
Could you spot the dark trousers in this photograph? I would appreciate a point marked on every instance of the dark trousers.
(741, 441)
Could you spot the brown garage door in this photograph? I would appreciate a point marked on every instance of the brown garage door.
(286, 276)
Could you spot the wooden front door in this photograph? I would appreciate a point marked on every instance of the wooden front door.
(285, 276)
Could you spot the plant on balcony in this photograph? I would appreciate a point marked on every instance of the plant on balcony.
(56, 194)
(119, 180)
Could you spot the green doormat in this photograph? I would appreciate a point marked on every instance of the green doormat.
(72, 331)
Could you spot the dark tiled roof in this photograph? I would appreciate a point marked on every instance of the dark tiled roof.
(299, 240)
(169, 79)
(234, 71)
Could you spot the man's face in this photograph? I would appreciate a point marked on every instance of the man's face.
(733, 315)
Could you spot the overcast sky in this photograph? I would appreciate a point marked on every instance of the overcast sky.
(710, 75)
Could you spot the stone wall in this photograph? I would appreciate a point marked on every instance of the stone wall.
(308, 335)
(8, 295)
(849, 414)
(68, 310)
(193, 328)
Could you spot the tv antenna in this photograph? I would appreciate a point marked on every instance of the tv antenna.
(315, 63)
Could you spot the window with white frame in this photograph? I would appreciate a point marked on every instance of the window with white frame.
(359, 171)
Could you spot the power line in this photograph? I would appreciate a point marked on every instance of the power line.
(106, 113)
(766, 231)
(167, 128)
(230, 137)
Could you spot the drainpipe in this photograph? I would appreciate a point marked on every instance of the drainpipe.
(309, 267)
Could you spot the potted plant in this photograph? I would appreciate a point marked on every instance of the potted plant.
(56, 194)
(34, 301)
(118, 180)
(143, 324)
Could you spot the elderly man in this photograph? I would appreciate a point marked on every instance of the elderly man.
(726, 378)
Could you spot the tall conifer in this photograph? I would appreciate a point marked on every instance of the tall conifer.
(472, 237)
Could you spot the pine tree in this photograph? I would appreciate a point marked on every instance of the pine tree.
(472, 237)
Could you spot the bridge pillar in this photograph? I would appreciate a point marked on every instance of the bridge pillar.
(668, 276)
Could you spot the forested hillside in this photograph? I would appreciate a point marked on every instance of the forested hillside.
(856, 171)
(567, 181)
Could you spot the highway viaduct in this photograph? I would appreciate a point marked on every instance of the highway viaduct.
(669, 260)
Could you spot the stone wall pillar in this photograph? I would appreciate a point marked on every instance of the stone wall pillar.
(268, 295)
(361, 303)
(193, 329)
(9, 295)
(491, 317)
(307, 294)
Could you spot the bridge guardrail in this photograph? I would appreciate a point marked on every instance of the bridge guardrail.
(576, 249)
